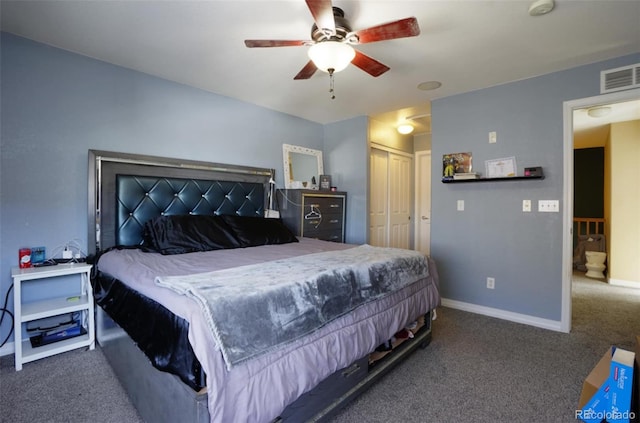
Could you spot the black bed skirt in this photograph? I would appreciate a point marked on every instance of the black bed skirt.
(159, 333)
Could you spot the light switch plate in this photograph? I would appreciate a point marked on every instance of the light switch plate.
(552, 206)
(460, 205)
(526, 205)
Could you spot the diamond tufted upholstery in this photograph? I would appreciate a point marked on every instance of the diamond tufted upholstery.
(140, 198)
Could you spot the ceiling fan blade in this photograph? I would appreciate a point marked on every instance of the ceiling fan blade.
(403, 28)
(276, 43)
(307, 72)
(369, 65)
(322, 12)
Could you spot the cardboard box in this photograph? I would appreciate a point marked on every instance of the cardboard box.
(599, 404)
(596, 378)
(594, 399)
(607, 390)
(636, 405)
(621, 380)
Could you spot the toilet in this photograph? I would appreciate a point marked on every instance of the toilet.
(595, 264)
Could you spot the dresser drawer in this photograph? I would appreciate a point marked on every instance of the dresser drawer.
(326, 235)
(339, 383)
(324, 223)
(324, 204)
(329, 227)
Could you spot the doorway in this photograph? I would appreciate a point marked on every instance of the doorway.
(422, 214)
(568, 183)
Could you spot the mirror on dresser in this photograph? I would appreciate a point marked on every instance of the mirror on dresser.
(302, 167)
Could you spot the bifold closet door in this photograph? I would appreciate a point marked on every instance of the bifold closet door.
(390, 199)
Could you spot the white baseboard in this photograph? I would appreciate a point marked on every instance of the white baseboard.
(7, 349)
(554, 325)
(622, 282)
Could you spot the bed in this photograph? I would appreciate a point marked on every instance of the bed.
(210, 331)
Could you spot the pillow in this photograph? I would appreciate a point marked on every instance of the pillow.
(252, 231)
(178, 234)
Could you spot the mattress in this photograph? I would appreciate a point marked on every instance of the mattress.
(259, 389)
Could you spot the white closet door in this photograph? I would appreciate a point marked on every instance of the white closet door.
(390, 199)
(379, 187)
(400, 173)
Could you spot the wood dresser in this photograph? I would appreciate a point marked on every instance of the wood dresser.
(314, 214)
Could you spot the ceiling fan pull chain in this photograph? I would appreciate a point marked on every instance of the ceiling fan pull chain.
(331, 91)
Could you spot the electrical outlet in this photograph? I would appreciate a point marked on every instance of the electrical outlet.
(492, 137)
(526, 205)
(491, 283)
(67, 253)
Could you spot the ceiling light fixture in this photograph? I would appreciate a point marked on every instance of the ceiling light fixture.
(429, 85)
(331, 56)
(599, 111)
(541, 7)
(405, 129)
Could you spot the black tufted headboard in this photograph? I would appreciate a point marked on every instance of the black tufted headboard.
(126, 190)
(141, 198)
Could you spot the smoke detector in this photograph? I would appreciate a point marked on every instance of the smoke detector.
(541, 7)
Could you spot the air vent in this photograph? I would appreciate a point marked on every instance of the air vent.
(624, 78)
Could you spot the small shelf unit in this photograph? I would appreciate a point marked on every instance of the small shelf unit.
(506, 178)
(27, 312)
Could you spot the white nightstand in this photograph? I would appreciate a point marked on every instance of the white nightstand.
(26, 312)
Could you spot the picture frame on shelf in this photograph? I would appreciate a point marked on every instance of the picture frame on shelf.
(453, 163)
(501, 168)
(325, 182)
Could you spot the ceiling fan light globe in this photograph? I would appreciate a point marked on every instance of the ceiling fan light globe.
(331, 55)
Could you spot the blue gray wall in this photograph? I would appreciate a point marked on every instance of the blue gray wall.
(346, 152)
(57, 105)
(492, 237)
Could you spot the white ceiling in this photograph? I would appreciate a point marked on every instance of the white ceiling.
(593, 131)
(466, 45)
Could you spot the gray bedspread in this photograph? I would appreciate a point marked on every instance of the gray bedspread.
(253, 309)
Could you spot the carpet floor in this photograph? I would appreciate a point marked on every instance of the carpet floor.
(477, 368)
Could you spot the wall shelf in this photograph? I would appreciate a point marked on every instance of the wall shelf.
(506, 178)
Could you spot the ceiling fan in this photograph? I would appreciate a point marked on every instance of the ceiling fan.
(330, 47)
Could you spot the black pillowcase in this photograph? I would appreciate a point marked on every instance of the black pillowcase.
(178, 234)
(253, 231)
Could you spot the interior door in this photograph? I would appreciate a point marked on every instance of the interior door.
(399, 200)
(379, 186)
(423, 202)
(390, 197)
